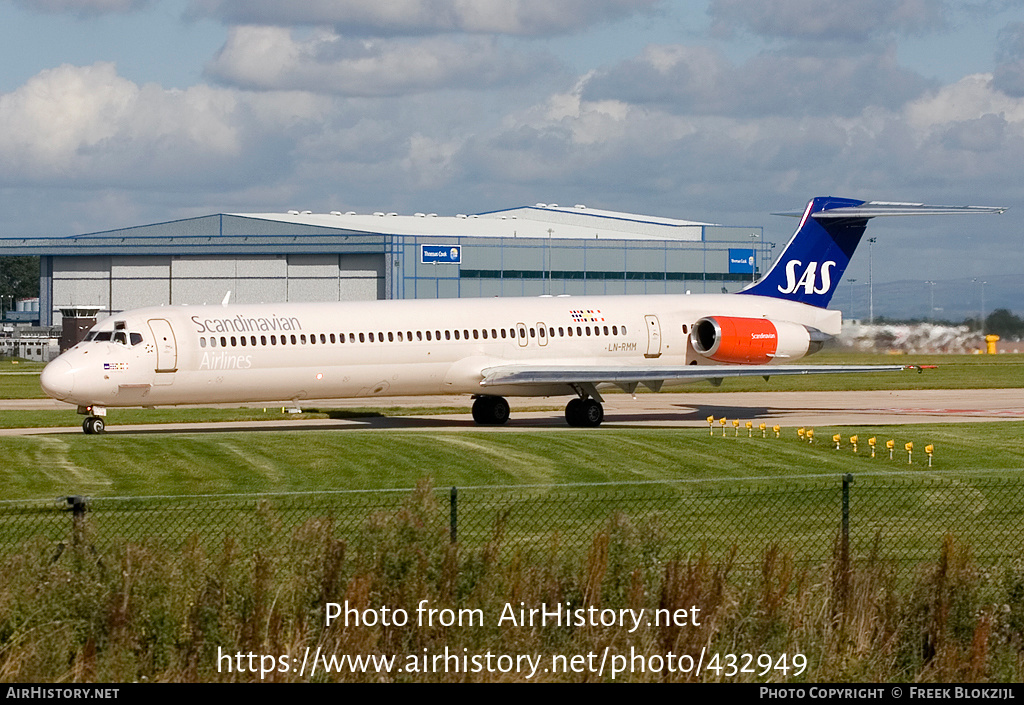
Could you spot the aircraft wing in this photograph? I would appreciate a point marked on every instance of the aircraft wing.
(629, 377)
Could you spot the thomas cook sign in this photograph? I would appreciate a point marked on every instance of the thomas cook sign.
(442, 254)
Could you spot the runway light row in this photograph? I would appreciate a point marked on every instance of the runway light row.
(807, 435)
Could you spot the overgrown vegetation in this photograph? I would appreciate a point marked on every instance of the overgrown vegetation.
(146, 612)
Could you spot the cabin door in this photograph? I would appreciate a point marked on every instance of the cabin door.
(166, 350)
(653, 336)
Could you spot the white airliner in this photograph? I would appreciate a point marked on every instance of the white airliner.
(487, 348)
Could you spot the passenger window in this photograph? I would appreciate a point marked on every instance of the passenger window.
(456, 335)
(202, 342)
(391, 337)
(223, 342)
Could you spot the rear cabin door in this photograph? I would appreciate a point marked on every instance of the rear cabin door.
(653, 336)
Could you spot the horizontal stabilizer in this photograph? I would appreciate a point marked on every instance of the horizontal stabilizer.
(876, 209)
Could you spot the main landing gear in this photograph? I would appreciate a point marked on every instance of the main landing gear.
(490, 411)
(581, 411)
(584, 412)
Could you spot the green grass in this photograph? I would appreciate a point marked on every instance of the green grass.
(269, 461)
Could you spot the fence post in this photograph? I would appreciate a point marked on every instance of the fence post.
(453, 521)
(77, 504)
(844, 539)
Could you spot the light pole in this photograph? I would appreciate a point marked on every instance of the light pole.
(871, 286)
(931, 309)
(982, 324)
(851, 298)
(753, 248)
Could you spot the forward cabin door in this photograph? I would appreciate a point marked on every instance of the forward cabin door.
(166, 350)
(653, 336)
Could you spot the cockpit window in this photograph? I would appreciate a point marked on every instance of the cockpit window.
(103, 335)
(136, 338)
(120, 337)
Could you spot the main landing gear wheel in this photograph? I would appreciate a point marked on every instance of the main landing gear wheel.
(490, 411)
(584, 412)
(93, 424)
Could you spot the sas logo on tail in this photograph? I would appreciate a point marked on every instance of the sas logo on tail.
(808, 280)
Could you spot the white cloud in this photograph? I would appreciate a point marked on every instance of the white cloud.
(271, 58)
(517, 17)
(88, 125)
(970, 98)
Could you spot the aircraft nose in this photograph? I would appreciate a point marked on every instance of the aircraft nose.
(57, 379)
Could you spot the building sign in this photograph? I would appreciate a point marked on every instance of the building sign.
(441, 254)
(741, 261)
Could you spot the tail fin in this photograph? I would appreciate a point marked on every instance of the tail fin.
(830, 229)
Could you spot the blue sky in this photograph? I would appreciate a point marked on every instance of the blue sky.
(121, 112)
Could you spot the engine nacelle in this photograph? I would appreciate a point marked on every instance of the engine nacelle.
(753, 341)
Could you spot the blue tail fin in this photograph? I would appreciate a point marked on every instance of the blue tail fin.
(811, 265)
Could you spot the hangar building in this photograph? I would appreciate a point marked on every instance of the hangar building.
(303, 256)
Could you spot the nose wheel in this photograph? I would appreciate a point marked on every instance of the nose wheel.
(584, 412)
(93, 424)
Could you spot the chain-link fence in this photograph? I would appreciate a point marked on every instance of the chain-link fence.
(900, 518)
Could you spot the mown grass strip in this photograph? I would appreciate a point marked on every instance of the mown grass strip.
(285, 460)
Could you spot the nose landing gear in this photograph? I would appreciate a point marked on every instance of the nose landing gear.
(94, 424)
